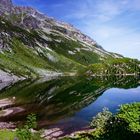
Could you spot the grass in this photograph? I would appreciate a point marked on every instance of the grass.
(22, 60)
(7, 135)
(83, 57)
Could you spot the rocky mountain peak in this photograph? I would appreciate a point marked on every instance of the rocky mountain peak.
(6, 2)
(29, 18)
(6, 6)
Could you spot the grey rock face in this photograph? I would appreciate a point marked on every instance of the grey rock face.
(31, 22)
(4, 77)
(4, 38)
(5, 6)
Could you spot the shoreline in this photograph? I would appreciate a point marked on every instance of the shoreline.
(54, 132)
(48, 134)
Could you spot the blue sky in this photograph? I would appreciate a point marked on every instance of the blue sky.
(114, 24)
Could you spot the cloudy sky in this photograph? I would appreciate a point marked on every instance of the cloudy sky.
(114, 24)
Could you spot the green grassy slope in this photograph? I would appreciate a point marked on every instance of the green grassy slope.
(34, 53)
(25, 57)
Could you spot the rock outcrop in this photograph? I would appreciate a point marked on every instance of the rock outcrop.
(6, 7)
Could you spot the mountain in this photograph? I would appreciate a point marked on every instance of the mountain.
(34, 45)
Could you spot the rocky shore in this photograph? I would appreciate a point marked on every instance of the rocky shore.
(8, 77)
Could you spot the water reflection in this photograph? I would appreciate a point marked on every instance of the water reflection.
(67, 99)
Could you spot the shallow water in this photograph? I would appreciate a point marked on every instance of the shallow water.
(68, 102)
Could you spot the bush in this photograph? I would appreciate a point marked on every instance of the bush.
(25, 132)
(101, 119)
(130, 113)
(124, 125)
(31, 121)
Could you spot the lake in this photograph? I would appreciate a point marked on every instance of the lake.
(68, 103)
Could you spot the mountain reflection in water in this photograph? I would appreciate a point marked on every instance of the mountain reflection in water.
(70, 102)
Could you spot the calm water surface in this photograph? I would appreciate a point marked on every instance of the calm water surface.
(68, 102)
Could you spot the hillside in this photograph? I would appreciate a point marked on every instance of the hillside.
(33, 45)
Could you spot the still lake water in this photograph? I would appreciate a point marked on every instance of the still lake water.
(68, 102)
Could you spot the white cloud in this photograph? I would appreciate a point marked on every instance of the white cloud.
(105, 32)
(107, 10)
(104, 10)
(134, 5)
(58, 5)
(109, 22)
(119, 39)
